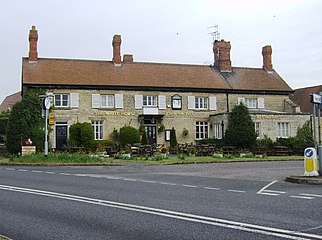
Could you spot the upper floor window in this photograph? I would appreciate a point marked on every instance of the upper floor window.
(61, 100)
(251, 102)
(201, 103)
(177, 102)
(150, 101)
(107, 101)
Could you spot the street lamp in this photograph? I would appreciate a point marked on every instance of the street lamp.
(47, 102)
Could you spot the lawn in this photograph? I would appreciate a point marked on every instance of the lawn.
(83, 159)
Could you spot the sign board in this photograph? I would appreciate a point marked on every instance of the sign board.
(310, 162)
(315, 98)
(51, 119)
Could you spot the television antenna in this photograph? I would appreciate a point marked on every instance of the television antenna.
(214, 33)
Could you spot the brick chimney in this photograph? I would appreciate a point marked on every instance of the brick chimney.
(33, 38)
(222, 56)
(117, 49)
(267, 58)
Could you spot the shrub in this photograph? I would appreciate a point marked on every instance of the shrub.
(173, 138)
(129, 135)
(75, 138)
(87, 136)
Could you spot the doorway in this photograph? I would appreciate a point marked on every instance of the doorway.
(61, 135)
(150, 125)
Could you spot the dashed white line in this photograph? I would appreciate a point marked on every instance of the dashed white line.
(302, 197)
(79, 175)
(50, 172)
(165, 183)
(311, 195)
(267, 193)
(272, 191)
(189, 186)
(23, 170)
(36, 171)
(212, 188)
(65, 174)
(235, 191)
(146, 181)
(129, 179)
(10, 169)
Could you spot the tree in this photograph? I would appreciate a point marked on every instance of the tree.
(241, 129)
(82, 135)
(304, 137)
(24, 122)
(173, 138)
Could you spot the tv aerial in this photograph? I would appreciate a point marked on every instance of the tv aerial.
(214, 33)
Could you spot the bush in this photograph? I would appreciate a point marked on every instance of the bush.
(129, 135)
(173, 138)
(82, 135)
(75, 138)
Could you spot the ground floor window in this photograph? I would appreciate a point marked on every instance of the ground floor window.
(218, 131)
(283, 129)
(98, 130)
(258, 130)
(201, 130)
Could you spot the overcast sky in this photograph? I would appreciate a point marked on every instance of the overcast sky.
(170, 31)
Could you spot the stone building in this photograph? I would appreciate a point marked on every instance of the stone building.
(194, 99)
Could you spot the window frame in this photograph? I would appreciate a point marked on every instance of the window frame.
(202, 130)
(201, 103)
(98, 129)
(61, 100)
(283, 130)
(176, 102)
(251, 103)
(150, 101)
(109, 103)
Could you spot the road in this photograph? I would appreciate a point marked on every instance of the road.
(205, 201)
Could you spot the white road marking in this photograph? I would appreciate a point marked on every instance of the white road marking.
(129, 179)
(79, 175)
(36, 171)
(50, 172)
(272, 191)
(65, 174)
(166, 183)
(189, 186)
(258, 229)
(23, 170)
(211, 188)
(147, 181)
(235, 191)
(10, 169)
(302, 197)
(267, 193)
(311, 195)
(267, 186)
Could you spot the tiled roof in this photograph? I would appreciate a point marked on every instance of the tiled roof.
(103, 73)
(9, 101)
(302, 99)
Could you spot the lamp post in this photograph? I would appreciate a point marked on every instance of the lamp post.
(47, 102)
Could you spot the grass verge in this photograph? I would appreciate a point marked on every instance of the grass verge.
(83, 159)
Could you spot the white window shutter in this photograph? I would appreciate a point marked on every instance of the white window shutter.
(74, 100)
(162, 102)
(241, 100)
(260, 103)
(212, 103)
(96, 99)
(138, 101)
(118, 100)
(191, 102)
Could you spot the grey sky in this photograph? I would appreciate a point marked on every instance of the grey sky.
(172, 31)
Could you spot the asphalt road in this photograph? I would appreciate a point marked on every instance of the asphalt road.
(206, 201)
